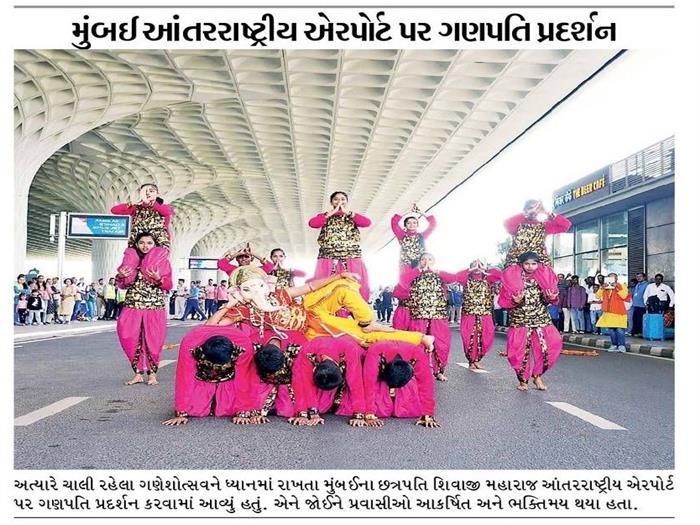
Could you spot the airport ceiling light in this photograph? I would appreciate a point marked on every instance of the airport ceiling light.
(248, 144)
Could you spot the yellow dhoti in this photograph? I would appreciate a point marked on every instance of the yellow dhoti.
(322, 304)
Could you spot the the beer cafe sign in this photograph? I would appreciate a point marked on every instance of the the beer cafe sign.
(585, 190)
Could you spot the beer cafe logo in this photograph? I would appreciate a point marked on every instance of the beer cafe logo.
(579, 191)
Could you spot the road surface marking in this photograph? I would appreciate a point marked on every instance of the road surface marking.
(588, 417)
(47, 411)
(166, 362)
(477, 370)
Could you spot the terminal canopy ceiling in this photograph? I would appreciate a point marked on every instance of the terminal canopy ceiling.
(248, 144)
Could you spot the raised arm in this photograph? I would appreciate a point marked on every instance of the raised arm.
(225, 266)
(512, 223)
(396, 227)
(123, 209)
(432, 223)
(164, 209)
(361, 221)
(556, 224)
(317, 221)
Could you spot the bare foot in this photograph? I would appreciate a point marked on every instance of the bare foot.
(152, 380)
(522, 386)
(441, 377)
(428, 342)
(474, 366)
(138, 378)
(539, 384)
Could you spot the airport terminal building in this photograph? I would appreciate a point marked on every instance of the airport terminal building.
(623, 217)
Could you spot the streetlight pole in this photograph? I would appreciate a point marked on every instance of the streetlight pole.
(62, 223)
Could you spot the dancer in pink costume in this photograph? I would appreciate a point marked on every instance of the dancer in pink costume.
(402, 315)
(275, 267)
(339, 241)
(327, 376)
(529, 232)
(427, 303)
(149, 215)
(141, 325)
(476, 324)
(209, 378)
(533, 344)
(398, 383)
(412, 241)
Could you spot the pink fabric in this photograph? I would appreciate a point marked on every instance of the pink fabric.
(443, 339)
(416, 398)
(158, 259)
(513, 283)
(221, 293)
(324, 268)
(164, 209)
(195, 396)
(310, 396)
(130, 261)
(142, 332)
(210, 291)
(225, 266)
(470, 338)
(402, 318)
(317, 221)
(532, 363)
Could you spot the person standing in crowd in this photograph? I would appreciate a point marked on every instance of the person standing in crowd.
(20, 288)
(577, 297)
(377, 306)
(34, 308)
(569, 324)
(210, 298)
(562, 287)
(110, 293)
(45, 294)
(595, 307)
(21, 309)
(658, 296)
(55, 303)
(454, 303)
(68, 294)
(631, 287)
(100, 301)
(639, 307)
(613, 295)
(181, 299)
(121, 297)
(221, 294)
(588, 283)
(387, 304)
(91, 301)
(192, 304)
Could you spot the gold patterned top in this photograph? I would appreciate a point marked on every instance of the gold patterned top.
(339, 238)
(427, 299)
(143, 295)
(412, 247)
(284, 277)
(478, 298)
(529, 238)
(532, 311)
(147, 219)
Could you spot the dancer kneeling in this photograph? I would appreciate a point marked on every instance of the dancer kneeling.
(327, 377)
(208, 379)
(533, 344)
(398, 383)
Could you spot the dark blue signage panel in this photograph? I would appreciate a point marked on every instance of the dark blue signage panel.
(97, 226)
(583, 191)
(203, 264)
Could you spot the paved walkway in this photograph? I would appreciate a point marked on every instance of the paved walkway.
(23, 333)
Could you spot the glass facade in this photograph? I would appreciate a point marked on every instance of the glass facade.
(599, 245)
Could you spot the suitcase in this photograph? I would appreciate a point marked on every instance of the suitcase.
(653, 327)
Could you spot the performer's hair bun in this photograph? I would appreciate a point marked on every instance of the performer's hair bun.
(397, 372)
(327, 375)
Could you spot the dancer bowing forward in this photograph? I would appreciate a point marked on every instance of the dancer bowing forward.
(476, 325)
(339, 241)
(141, 324)
(150, 215)
(533, 344)
(412, 241)
(427, 304)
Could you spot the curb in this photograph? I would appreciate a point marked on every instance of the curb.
(594, 343)
(81, 330)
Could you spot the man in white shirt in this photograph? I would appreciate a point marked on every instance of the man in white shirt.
(661, 291)
(182, 292)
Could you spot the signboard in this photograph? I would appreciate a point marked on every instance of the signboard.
(586, 190)
(195, 263)
(98, 226)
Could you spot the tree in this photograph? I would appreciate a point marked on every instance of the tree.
(502, 249)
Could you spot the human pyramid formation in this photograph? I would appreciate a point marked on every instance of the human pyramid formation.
(304, 351)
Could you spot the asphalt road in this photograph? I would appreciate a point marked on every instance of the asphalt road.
(486, 422)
